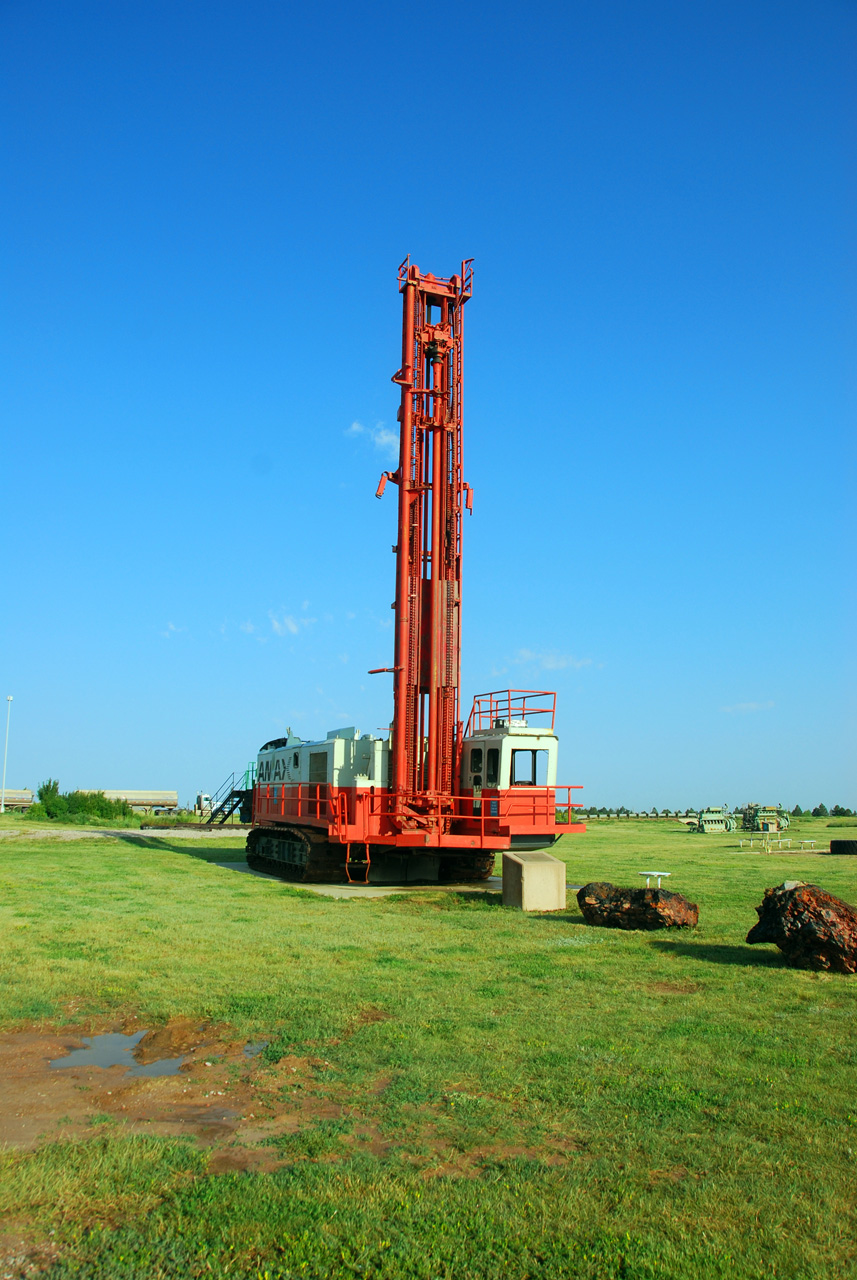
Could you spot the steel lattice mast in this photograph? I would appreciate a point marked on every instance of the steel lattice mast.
(426, 726)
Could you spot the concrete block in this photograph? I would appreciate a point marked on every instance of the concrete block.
(533, 881)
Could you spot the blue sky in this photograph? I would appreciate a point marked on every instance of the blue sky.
(204, 207)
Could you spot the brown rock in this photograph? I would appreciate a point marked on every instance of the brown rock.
(813, 929)
(613, 908)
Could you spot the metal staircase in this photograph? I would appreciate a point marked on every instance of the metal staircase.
(234, 795)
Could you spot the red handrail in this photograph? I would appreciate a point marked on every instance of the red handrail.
(510, 704)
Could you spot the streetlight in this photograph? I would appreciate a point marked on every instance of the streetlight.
(5, 753)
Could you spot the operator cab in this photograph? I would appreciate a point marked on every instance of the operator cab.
(511, 754)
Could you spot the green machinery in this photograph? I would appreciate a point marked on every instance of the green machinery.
(714, 819)
(764, 817)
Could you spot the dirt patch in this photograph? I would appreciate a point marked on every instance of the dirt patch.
(677, 1173)
(245, 1111)
(215, 1096)
(21, 1257)
(364, 1018)
(674, 988)
(470, 1164)
(182, 1036)
(370, 1014)
(42, 832)
(242, 1160)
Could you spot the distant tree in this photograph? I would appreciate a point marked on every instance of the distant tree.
(75, 806)
(53, 804)
(820, 811)
(665, 813)
(797, 811)
(838, 812)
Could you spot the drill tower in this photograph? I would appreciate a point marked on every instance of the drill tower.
(436, 800)
(426, 739)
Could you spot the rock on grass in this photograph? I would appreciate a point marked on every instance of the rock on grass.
(813, 929)
(611, 907)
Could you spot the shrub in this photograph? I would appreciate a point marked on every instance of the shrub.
(75, 806)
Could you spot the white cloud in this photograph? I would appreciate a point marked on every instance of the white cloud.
(385, 441)
(742, 708)
(172, 630)
(247, 628)
(285, 625)
(550, 660)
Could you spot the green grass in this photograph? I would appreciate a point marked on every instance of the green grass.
(548, 1099)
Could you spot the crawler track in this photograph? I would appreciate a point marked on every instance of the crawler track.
(299, 854)
(463, 868)
(303, 855)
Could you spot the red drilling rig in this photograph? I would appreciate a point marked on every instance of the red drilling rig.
(435, 800)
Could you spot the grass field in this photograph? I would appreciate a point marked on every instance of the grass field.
(450, 1089)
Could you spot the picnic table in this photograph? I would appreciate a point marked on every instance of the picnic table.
(661, 875)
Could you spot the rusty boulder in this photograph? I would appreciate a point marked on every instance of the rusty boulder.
(813, 929)
(612, 907)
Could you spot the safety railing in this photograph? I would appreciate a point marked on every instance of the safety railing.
(508, 705)
(382, 812)
(306, 800)
(444, 282)
(518, 807)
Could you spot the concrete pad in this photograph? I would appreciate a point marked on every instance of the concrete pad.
(533, 881)
(492, 885)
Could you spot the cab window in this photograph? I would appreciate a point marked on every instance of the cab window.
(476, 760)
(524, 768)
(493, 771)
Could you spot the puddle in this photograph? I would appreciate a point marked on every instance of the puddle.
(116, 1050)
(250, 1050)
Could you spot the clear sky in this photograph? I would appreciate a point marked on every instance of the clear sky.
(203, 209)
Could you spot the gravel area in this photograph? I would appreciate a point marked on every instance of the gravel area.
(110, 833)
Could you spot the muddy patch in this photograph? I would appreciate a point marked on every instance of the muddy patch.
(251, 1114)
(185, 1078)
(178, 1079)
(115, 1049)
(255, 1047)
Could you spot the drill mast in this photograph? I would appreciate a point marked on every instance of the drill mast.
(436, 801)
(426, 739)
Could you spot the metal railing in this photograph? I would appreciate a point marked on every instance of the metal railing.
(510, 704)
(381, 811)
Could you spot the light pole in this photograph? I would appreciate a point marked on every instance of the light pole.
(5, 753)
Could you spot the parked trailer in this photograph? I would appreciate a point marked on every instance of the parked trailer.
(140, 801)
(18, 798)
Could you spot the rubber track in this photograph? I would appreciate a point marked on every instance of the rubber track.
(325, 862)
